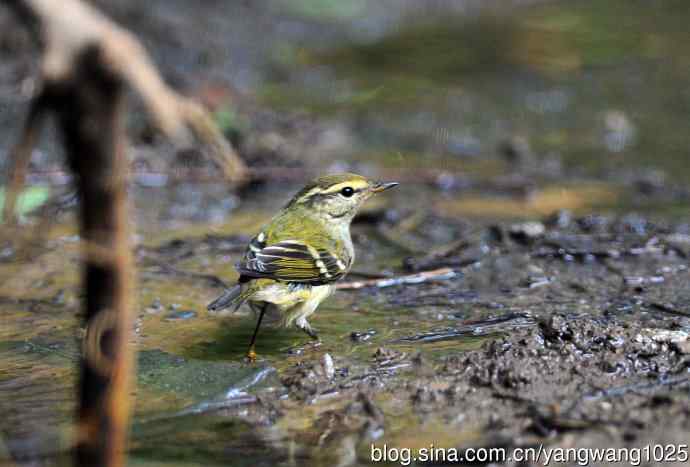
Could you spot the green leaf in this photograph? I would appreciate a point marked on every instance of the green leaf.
(29, 199)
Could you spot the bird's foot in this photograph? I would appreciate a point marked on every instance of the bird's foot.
(299, 348)
(308, 330)
(312, 333)
(251, 355)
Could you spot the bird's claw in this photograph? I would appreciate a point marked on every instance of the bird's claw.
(308, 330)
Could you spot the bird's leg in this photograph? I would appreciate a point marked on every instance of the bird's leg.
(304, 326)
(311, 333)
(251, 353)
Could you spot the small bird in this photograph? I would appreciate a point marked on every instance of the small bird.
(292, 264)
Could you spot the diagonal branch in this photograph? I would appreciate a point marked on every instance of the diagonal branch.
(66, 32)
(87, 66)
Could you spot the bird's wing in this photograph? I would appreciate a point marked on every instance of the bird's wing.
(291, 261)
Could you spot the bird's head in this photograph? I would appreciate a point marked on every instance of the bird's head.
(337, 198)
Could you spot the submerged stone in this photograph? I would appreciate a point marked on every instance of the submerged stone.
(194, 379)
(180, 315)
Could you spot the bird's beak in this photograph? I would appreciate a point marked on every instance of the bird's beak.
(381, 186)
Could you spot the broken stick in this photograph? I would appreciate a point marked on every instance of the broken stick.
(436, 274)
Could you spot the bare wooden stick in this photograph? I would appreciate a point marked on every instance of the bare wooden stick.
(67, 31)
(436, 274)
(90, 107)
(273, 173)
(88, 63)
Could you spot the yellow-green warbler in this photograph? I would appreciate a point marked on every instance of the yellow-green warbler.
(291, 266)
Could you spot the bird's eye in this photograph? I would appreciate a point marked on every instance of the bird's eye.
(347, 192)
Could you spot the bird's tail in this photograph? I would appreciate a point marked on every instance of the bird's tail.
(231, 298)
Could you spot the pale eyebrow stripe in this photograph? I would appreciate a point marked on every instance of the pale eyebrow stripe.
(311, 193)
(356, 185)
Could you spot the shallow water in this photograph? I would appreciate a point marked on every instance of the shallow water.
(487, 120)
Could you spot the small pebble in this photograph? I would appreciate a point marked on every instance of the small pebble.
(663, 335)
(683, 347)
(155, 307)
(639, 280)
(526, 231)
(59, 297)
(180, 315)
(327, 364)
(362, 336)
(537, 281)
(6, 253)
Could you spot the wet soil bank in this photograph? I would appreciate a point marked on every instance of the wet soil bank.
(544, 188)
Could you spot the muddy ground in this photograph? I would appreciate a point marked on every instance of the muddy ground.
(544, 180)
(569, 332)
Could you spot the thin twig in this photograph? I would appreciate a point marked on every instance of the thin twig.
(67, 32)
(654, 386)
(667, 308)
(88, 63)
(272, 173)
(436, 274)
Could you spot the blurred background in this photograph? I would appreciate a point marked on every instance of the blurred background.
(519, 94)
(490, 113)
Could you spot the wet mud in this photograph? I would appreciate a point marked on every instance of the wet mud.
(527, 284)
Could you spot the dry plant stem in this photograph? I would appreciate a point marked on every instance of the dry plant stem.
(90, 111)
(87, 95)
(65, 33)
(418, 278)
(88, 63)
(281, 174)
(205, 130)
